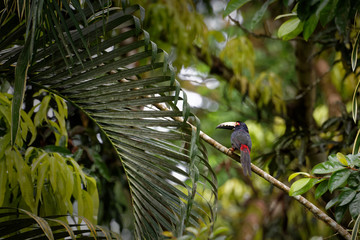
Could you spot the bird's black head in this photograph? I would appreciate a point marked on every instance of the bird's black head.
(242, 126)
(233, 126)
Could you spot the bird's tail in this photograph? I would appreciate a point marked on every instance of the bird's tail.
(246, 161)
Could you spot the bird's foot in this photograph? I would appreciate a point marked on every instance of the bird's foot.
(231, 150)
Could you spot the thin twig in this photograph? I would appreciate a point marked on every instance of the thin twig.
(247, 31)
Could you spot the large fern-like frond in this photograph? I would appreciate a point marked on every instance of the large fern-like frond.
(126, 85)
(22, 224)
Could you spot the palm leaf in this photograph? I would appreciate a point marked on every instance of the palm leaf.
(21, 224)
(126, 85)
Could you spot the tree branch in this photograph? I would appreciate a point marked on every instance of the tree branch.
(306, 203)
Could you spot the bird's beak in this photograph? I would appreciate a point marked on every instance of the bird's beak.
(227, 125)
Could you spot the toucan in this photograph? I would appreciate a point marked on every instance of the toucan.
(240, 140)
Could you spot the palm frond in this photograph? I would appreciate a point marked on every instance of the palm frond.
(21, 224)
(123, 82)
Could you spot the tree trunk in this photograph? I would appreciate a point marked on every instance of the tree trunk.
(307, 84)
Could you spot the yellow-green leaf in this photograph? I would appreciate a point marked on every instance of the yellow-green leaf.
(77, 169)
(30, 125)
(93, 193)
(69, 182)
(88, 205)
(4, 143)
(41, 175)
(301, 186)
(292, 176)
(41, 115)
(342, 159)
(53, 173)
(24, 179)
(12, 177)
(290, 29)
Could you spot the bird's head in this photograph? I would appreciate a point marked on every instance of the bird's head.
(233, 126)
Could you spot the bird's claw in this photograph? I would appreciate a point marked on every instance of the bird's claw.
(230, 150)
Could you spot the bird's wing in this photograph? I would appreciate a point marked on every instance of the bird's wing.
(240, 137)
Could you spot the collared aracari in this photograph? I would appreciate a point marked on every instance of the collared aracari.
(240, 140)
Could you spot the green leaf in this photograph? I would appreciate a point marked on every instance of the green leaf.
(354, 53)
(321, 189)
(30, 125)
(24, 178)
(346, 197)
(328, 12)
(234, 5)
(354, 180)
(290, 29)
(304, 10)
(353, 159)
(259, 14)
(41, 115)
(340, 212)
(354, 206)
(88, 207)
(332, 202)
(41, 175)
(342, 16)
(21, 70)
(94, 195)
(338, 179)
(327, 167)
(292, 176)
(100, 164)
(310, 25)
(301, 186)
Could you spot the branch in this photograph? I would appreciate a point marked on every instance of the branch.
(256, 35)
(306, 203)
(261, 35)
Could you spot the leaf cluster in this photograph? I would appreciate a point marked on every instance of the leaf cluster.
(340, 173)
(306, 15)
(46, 180)
(126, 85)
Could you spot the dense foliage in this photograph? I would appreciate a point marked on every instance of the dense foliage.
(122, 88)
(286, 68)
